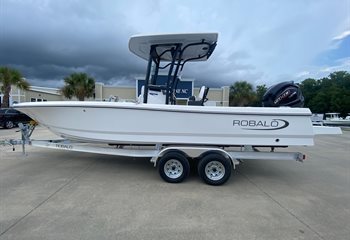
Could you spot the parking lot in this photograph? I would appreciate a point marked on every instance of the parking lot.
(53, 194)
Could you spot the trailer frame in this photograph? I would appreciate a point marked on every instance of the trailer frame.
(172, 160)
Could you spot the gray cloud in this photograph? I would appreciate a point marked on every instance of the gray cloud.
(47, 40)
(58, 40)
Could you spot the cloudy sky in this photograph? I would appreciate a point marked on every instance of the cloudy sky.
(260, 41)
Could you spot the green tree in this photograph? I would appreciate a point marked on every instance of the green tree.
(259, 91)
(242, 94)
(79, 85)
(341, 78)
(8, 77)
(309, 87)
(328, 94)
(318, 103)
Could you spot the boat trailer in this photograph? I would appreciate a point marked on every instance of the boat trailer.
(214, 163)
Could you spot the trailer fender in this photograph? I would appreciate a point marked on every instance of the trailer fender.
(155, 159)
(222, 152)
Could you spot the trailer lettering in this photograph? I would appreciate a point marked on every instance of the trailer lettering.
(64, 146)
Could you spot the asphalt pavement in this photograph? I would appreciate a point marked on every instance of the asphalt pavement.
(56, 194)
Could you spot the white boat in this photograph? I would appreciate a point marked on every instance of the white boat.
(317, 119)
(333, 119)
(113, 122)
(178, 133)
(148, 122)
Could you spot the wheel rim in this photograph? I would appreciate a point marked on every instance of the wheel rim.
(173, 168)
(9, 124)
(215, 170)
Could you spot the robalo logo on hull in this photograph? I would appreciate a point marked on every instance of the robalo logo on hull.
(274, 124)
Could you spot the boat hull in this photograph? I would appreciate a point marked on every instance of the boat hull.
(130, 123)
(336, 122)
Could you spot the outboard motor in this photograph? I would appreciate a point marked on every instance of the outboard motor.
(283, 94)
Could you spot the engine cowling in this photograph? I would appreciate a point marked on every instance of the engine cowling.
(283, 94)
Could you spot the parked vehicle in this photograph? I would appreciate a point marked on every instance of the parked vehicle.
(10, 118)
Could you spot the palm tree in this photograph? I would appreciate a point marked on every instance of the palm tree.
(242, 94)
(8, 77)
(79, 85)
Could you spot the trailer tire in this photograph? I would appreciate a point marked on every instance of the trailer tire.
(214, 169)
(173, 167)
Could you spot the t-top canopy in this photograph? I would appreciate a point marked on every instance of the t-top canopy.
(194, 46)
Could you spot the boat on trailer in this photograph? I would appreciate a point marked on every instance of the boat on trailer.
(155, 119)
(333, 119)
(176, 131)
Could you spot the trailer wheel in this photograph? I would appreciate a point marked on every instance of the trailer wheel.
(214, 169)
(173, 167)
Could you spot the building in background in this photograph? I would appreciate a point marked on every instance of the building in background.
(216, 96)
(34, 94)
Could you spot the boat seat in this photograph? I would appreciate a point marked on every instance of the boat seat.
(201, 99)
(155, 96)
(156, 87)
